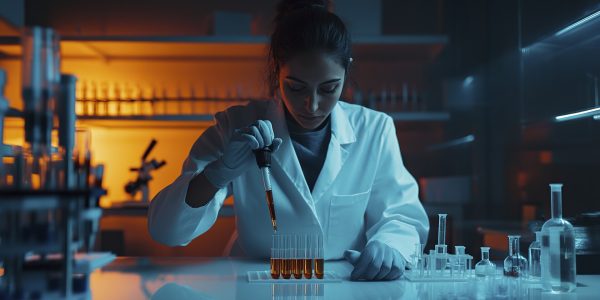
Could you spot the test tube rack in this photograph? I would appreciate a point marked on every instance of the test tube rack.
(439, 265)
(295, 258)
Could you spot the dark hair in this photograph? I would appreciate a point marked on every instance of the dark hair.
(306, 25)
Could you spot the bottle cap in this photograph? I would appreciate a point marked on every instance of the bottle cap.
(556, 187)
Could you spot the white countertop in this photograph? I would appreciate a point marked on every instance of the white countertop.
(225, 278)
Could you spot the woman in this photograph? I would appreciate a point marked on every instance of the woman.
(336, 167)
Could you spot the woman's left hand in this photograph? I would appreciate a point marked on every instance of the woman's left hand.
(378, 261)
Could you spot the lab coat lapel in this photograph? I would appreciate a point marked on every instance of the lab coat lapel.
(342, 135)
(285, 157)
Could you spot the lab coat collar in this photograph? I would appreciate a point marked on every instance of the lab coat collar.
(342, 134)
(285, 160)
(340, 126)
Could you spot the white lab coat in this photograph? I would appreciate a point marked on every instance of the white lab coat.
(363, 192)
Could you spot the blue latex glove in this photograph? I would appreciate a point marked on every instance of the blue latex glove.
(238, 156)
(378, 261)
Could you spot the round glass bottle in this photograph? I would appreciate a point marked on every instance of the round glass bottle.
(515, 265)
(485, 267)
(558, 248)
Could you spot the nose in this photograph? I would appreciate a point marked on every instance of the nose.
(312, 103)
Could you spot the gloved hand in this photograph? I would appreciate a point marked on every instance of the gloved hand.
(238, 155)
(378, 261)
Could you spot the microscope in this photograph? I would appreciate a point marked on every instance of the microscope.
(144, 177)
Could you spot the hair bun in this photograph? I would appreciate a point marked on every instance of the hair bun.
(285, 7)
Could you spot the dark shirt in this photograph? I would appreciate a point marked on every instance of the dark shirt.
(311, 148)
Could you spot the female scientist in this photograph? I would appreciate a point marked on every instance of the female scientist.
(336, 167)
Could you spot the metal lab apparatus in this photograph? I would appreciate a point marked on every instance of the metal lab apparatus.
(46, 215)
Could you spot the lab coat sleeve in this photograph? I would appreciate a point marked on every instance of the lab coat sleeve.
(394, 213)
(170, 220)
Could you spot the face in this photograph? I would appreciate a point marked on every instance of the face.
(310, 85)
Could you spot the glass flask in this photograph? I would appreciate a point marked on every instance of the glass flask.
(515, 265)
(485, 267)
(535, 249)
(558, 248)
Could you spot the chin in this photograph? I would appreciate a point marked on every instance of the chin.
(311, 124)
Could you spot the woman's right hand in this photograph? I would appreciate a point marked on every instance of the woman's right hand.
(238, 156)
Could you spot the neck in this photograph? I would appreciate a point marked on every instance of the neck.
(556, 204)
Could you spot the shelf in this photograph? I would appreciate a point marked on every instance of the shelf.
(159, 122)
(224, 47)
(205, 120)
(420, 116)
(581, 34)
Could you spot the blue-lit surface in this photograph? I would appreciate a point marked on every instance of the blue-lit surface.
(578, 23)
(222, 278)
(579, 115)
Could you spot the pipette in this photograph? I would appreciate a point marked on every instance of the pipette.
(263, 159)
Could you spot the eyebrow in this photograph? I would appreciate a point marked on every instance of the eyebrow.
(326, 82)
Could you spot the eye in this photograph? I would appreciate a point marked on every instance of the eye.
(295, 87)
(330, 89)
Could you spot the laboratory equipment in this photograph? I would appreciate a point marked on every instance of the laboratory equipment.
(292, 257)
(144, 177)
(515, 265)
(319, 258)
(66, 131)
(535, 251)
(263, 159)
(308, 258)
(418, 260)
(439, 265)
(558, 248)
(4, 149)
(286, 269)
(275, 257)
(441, 249)
(45, 216)
(460, 262)
(298, 263)
(485, 267)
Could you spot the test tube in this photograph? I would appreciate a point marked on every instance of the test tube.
(441, 248)
(298, 256)
(275, 257)
(418, 262)
(431, 262)
(319, 258)
(308, 258)
(442, 229)
(286, 270)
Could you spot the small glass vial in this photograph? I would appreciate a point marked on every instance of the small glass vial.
(558, 248)
(460, 263)
(298, 262)
(275, 257)
(515, 265)
(418, 260)
(286, 266)
(485, 267)
(308, 257)
(535, 251)
(319, 258)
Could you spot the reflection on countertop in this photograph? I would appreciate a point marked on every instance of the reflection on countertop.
(226, 278)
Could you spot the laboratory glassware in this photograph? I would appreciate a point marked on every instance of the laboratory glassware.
(558, 248)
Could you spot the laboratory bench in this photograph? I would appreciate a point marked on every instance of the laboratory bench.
(226, 278)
